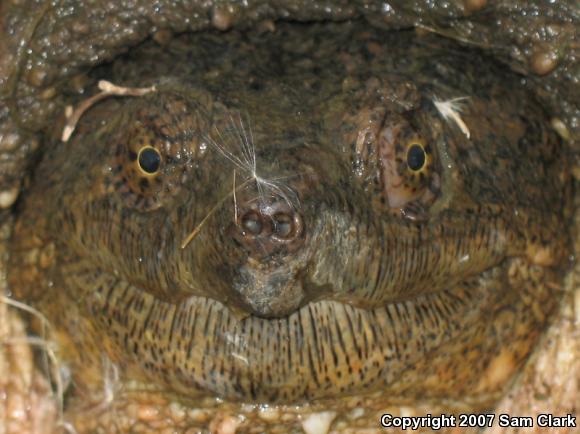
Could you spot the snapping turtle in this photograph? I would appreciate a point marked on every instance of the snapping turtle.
(327, 212)
(46, 45)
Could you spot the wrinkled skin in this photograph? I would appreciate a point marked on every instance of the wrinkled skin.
(47, 46)
(337, 269)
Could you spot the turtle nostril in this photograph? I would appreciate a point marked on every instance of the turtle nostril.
(284, 226)
(269, 228)
(252, 223)
(272, 228)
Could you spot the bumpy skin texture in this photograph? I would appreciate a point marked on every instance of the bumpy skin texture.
(46, 46)
(311, 281)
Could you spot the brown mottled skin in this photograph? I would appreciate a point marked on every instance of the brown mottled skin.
(340, 270)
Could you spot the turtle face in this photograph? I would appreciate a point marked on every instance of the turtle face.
(183, 204)
(192, 215)
(293, 234)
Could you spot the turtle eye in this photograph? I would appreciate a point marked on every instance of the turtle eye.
(149, 160)
(416, 157)
(154, 152)
(409, 171)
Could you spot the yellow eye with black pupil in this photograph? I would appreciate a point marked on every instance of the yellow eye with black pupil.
(416, 157)
(149, 160)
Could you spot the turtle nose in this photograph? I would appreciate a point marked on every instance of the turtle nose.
(264, 229)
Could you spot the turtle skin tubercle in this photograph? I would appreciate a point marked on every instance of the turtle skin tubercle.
(350, 235)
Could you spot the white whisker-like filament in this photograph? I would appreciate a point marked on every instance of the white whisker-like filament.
(224, 152)
(451, 110)
(251, 139)
(238, 138)
(245, 145)
(236, 144)
(235, 199)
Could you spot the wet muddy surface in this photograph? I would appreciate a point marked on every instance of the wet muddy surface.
(47, 44)
(326, 77)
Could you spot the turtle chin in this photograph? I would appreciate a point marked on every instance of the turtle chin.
(272, 294)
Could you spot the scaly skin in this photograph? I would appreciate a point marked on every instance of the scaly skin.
(331, 268)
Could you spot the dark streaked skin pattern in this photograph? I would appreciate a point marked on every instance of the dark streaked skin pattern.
(344, 266)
